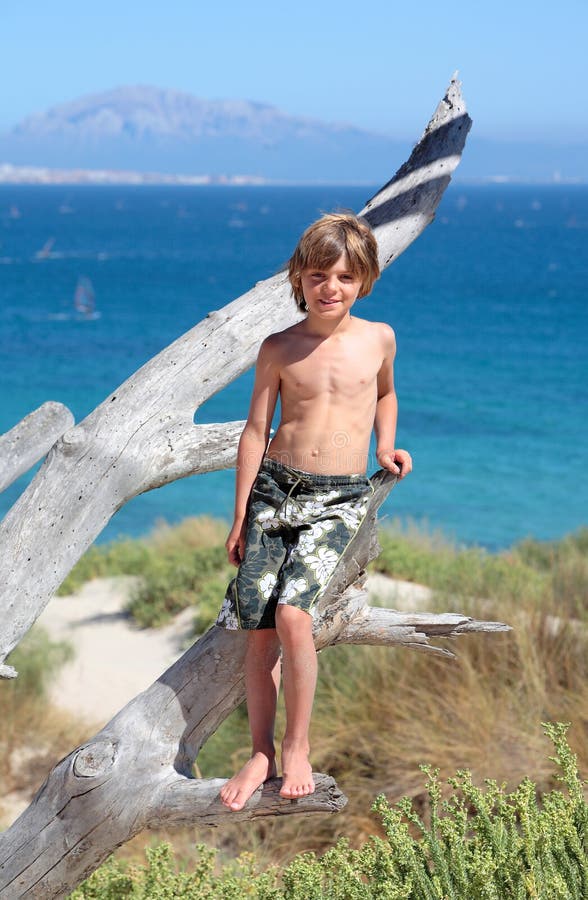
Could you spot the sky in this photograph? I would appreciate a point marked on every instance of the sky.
(380, 65)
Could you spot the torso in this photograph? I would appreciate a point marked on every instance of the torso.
(328, 393)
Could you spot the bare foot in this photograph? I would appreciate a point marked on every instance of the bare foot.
(238, 789)
(297, 778)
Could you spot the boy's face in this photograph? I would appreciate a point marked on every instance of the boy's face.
(330, 293)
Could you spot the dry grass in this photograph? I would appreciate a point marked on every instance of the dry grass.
(34, 734)
(195, 532)
(381, 712)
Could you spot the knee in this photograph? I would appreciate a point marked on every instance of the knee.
(292, 624)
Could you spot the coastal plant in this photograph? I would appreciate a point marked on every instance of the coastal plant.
(379, 711)
(125, 556)
(456, 572)
(481, 842)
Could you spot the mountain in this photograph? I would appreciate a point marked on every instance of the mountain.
(150, 129)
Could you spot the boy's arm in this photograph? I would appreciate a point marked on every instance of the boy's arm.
(396, 461)
(253, 441)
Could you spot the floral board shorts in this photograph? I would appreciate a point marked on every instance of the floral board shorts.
(298, 526)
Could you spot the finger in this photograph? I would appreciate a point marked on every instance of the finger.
(394, 467)
(406, 468)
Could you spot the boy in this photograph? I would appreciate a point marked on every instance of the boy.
(300, 499)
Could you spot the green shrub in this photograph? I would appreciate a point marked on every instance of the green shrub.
(461, 573)
(480, 843)
(180, 566)
(36, 659)
(122, 557)
(174, 581)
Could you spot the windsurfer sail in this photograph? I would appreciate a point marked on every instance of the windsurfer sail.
(84, 298)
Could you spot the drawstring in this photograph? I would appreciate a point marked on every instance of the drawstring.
(284, 502)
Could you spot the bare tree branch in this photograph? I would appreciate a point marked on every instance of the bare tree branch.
(128, 444)
(31, 439)
(136, 772)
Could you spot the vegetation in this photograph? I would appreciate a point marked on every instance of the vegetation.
(479, 842)
(178, 567)
(379, 712)
(550, 575)
(33, 735)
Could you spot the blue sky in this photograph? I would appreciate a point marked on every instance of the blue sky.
(380, 65)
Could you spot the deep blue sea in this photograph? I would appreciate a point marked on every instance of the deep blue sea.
(489, 307)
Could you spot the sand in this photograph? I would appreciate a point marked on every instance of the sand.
(115, 660)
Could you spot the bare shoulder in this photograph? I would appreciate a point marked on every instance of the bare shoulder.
(381, 333)
(385, 332)
(386, 336)
(273, 347)
(273, 341)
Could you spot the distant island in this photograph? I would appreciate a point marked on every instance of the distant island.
(42, 175)
(146, 135)
(10, 174)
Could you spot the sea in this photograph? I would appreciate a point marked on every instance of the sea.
(489, 306)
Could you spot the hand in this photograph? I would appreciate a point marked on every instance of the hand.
(235, 543)
(399, 462)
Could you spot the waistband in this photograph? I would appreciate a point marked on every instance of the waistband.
(289, 472)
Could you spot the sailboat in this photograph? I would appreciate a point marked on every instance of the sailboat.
(85, 299)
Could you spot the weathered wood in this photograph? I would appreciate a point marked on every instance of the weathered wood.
(143, 435)
(137, 772)
(31, 439)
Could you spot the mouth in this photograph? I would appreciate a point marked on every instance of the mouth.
(329, 302)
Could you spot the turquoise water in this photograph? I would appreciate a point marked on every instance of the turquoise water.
(489, 308)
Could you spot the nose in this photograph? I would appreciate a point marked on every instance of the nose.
(330, 284)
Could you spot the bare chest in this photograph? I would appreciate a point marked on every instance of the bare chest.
(347, 370)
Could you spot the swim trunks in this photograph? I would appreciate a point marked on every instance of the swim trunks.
(298, 526)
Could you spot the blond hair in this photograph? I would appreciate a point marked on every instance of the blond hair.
(324, 242)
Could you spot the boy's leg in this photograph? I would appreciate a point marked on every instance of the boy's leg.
(262, 680)
(299, 666)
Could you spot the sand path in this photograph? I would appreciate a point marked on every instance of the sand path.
(114, 660)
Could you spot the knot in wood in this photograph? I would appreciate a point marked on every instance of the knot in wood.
(95, 759)
(72, 439)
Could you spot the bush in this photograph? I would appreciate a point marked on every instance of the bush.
(178, 579)
(480, 843)
(122, 557)
(181, 566)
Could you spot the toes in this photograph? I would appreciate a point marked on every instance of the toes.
(238, 803)
(228, 798)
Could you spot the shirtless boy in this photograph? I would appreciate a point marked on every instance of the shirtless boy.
(300, 500)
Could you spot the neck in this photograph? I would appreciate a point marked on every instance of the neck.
(322, 328)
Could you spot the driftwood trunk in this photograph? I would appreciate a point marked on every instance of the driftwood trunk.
(143, 435)
(137, 772)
